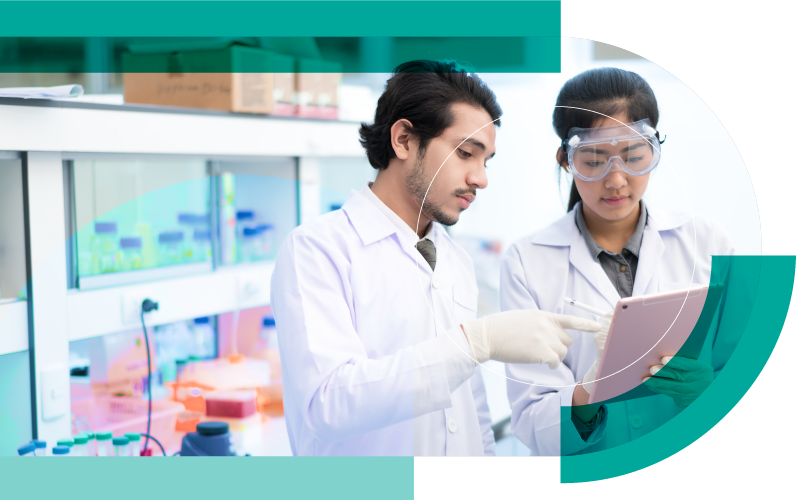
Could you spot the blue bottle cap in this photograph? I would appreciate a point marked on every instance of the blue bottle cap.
(264, 227)
(244, 215)
(133, 243)
(170, 237)
(268, 321)
(39, 443)
(212, 428)
(201, 321)
(61, 450)
(335, 206)
(252, 231)
(26, 448)
(120, 441)
(105, 228)
(201, 235)
(186, 218)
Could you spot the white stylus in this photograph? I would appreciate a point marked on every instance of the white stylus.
(584, 307)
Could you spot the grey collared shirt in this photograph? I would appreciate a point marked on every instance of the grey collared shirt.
(620, 268)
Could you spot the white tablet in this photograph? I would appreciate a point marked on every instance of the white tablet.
(644, 329)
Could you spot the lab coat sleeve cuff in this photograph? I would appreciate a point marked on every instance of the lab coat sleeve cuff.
(571, 439)
(457, 356)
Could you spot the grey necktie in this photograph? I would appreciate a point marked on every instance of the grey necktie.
(428, 251)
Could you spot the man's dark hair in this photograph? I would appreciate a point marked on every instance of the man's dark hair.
(423, 92)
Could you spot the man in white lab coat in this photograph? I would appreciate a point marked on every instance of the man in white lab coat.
(375, 305)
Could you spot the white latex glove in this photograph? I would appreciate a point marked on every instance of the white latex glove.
(599, 344)
(524, 336)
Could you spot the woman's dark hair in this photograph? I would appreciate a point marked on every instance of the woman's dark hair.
(423, 92)
(604, 90)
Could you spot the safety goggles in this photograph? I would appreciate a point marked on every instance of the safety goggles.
(592, 153)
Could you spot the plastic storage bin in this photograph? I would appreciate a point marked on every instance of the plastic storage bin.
(129, 414)
(104, 248)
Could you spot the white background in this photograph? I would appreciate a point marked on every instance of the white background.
(740, 59)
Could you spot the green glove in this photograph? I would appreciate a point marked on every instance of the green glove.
(682, 379)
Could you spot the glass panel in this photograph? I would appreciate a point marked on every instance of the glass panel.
(338, 176)
(12, 231)
(134, 215)
(257, 208)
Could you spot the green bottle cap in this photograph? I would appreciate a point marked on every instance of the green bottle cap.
(132, 436)
(66, 442)
(81, 439)
(120, 441)
(103, 436)
(88, 434)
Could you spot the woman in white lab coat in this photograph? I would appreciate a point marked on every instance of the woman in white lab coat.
(609, 245)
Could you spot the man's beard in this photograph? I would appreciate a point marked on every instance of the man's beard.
(417, 184)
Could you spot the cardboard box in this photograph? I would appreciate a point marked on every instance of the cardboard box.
(223, 75)
(318, 88)
(283, 85)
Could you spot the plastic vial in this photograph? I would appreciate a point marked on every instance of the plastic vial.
(131, 253)
(135, 443)
(121, 447)
(267, 237)
(170, 248)
(202, 245)
(61, 451)
(252, 244)
(104, 446)
(205, 339)
(104, 248)
(269, 334)
(41, 447)
(27, 450)
(68, 442)
(91, 446)
(81, 446)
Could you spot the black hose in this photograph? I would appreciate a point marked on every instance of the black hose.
(149, 387)
(156, 440)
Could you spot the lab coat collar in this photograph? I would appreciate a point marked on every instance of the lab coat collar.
(372, 225)
(564, 232)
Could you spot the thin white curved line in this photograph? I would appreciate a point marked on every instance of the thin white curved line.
(436, 321)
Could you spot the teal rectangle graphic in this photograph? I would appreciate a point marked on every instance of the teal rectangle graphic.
(209, 477)
(287, 18)
(533, 54)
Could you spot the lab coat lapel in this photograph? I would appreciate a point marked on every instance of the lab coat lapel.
(581, 258)
(649, 257)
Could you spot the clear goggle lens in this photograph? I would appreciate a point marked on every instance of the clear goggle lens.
(594, 155)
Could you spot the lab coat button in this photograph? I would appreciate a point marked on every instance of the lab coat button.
(452, 426)
(436, 283)
(636, 421)
(623, 268)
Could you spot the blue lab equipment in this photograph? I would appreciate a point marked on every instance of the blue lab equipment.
(212, 439)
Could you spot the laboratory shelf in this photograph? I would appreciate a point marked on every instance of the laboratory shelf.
(116, 309)
(82, 127)
(13, 326)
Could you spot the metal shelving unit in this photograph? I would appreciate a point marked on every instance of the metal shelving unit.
(44, 134)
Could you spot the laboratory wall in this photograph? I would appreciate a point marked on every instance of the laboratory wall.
(701, 172)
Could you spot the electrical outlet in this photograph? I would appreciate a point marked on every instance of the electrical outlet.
(132, 307)
(54, 381)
